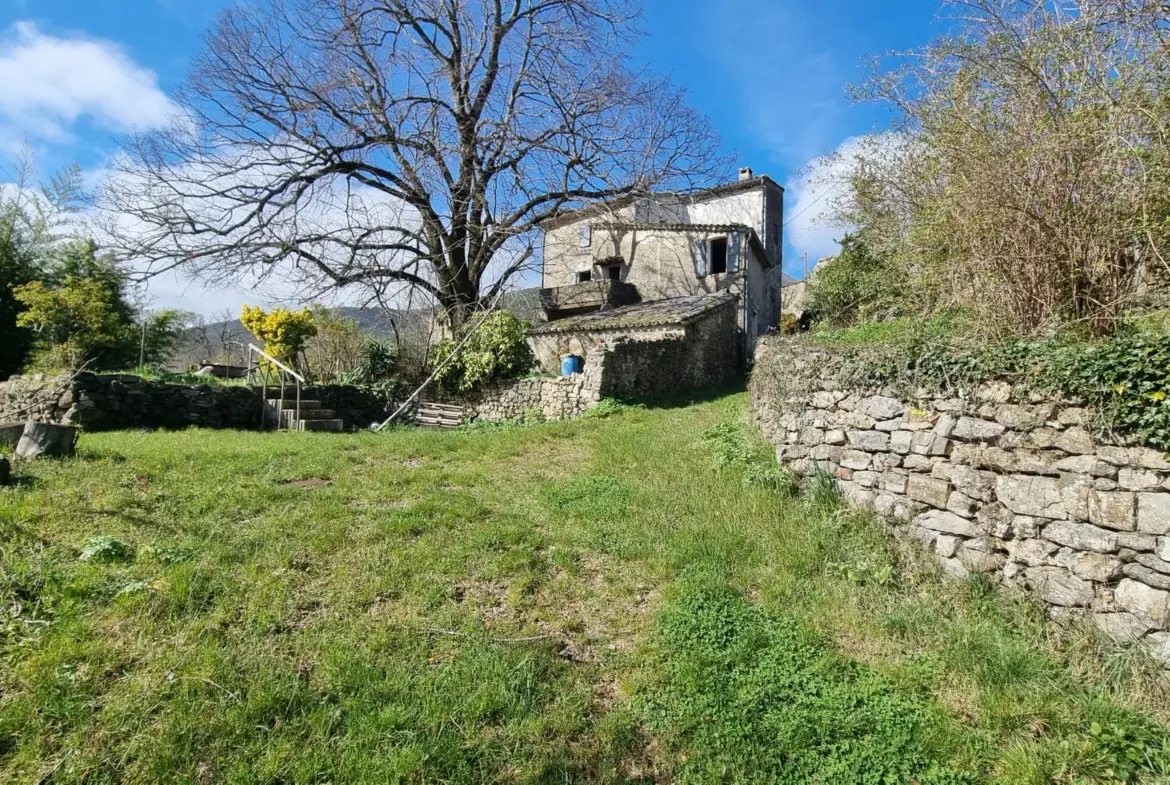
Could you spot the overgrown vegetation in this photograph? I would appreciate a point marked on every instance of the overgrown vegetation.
(1024, 177)
(495, 348)
(603, 600)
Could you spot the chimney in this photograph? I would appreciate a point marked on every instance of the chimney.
(746, 173)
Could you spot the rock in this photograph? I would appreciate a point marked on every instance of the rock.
(825, 452)
(1074, 416)
(811, 437)
(1042, 438)
(962, 504)
(1034, 553)
(1096, 567)
(826, 399)
(1034, 462)
(1017, 417)
(900, 442)
(927, 443)
(1026, 526)
(945, 545)
(970, 429)
(1153, 513)
(866, 479)
(1081, 536)
(1118, 456)
(1148, 604)
(855, 459)
(870, 441)
(1162, 550)
(880, 407)
(1138, 479)
(928, 490)
(976, 484)
(1149, 459)
(884, 461)
(1158, 646)
(979, 560)
(1075, 490)
(1075, 440)
(1104, 484)
(953, 568)
(1028, 495)
(1113, 510)
(888, 426)
(945, 426)
(835, 437)
(1122, 628)
(947, 523)
(996, 519)
(1153, 562)
(894, 482)
(994, 392)
(1057, 586)
(1147, 576)
(791, 452)
(1137, 542)
(45, 440)
(917, 463)
(1086, 464)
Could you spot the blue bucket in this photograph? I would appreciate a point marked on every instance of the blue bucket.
(570, 364)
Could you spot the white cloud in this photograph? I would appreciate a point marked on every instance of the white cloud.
(809, 198)
(49, 83)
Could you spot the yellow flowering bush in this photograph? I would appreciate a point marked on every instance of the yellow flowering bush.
(283, 331)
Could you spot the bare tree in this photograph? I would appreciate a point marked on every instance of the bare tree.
(381, 144)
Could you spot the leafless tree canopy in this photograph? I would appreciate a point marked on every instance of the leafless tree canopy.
(382, 144)
(1025, 179)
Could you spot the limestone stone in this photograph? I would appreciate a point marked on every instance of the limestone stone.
(1113, 510)
(1017, 417)
(917, 463)
(1153, 513)
(1162, 550)
(1146, 458)
(1073, 416)
(855, 459)
(1035, 461)
(970, 429)
(1075, 440)
(1153, 562)
(1147, 576)
(1105, 484)
(928, 490)
(791, 452)
(1057, 586)
(1034, 553)
(953, 568)
(946, 523)
(894, 482)
(843, 474)
(1086, 464)
(1158, 646)
(996, 519)
(879, 407)
(1148, 604)
(1122, 628)
(866, 479)
(856, 421)
(826, 399)
(825, 452)
(1042, 438)
(888, 426)
(1026, 526)
(1137, 542)
(884, 461)
(976, 484)
(946, 545)
(1028, 495)
(1082, 536)
(1118, 456)
(870, 441)
(1096, 567)
(946, 425)
(1075, 491)
(900, 442)
(927, 443)
(994, 392)
(962, 504)
(1138, 479)
(835, 437)
(979, 560)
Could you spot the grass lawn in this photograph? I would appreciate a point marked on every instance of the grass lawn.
(636, 598)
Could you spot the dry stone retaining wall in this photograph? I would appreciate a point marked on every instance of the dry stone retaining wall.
(999, 480)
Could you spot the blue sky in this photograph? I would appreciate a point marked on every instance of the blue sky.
(77, 74)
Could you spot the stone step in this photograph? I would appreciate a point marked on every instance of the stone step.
(291, 403)
(328, 426)
(290, 415)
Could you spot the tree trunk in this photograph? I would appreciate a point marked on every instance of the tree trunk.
(45, 440)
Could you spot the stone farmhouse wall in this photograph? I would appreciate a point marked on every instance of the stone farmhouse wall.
(1000, 481)
(102, 403)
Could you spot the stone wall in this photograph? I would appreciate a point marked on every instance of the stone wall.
(998, 480)
(555, 398)
(103, 403)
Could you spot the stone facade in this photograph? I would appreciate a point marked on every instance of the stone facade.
(102, 403)
(999, 480)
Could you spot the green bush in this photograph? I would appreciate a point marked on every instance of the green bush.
(497, 349)
(856, 286)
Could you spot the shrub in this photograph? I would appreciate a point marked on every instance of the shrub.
(855, 286)
(497, 349)
(283, 331)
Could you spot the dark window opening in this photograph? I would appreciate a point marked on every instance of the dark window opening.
(613, 272)
(775, 233)
(583, 276)
(718, 255)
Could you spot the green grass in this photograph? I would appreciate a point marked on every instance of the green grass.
(640, 597)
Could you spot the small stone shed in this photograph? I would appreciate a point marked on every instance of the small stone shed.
(653, 347)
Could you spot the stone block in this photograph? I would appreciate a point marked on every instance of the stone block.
(1137, 542)
(1153, 562)
(1118, 456)
(946, 545)
(900, 442)
(879, 407)
(1122, 628)
(1034, 553)
(979, 560)
(1157, 644)
(855, 459)
(969, 429)
(1146, 458)
(884, 461)
(928, 490)
(1017, 417)
(1115, 510)
(866, 479)
(994, 392)
(946, 523)
(1087, 464)
(954, 569)
(946, 425)
(894, 482)
(1081, 536)
(1075, 440)
(811, 437)
(1162, 549)
(1145, 602)
(976, 484)
(1057, 586)
(1152, 578)
(1042, 438)
(1028, 495)
(962, 504)
(996, 519)
(1153, 513)
(888, 426)
(870, 441)
(826, 452)
(918, 463)
(835, 437)
(1138, 479)
(1096, 567)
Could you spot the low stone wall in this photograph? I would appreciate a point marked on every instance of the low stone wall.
(999, 480)
(555, 398)
(102, 403)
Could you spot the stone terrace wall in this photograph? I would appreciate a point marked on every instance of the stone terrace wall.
(556, 398)
(999, 481)
(103, 403)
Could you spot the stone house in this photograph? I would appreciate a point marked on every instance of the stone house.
(648, 249)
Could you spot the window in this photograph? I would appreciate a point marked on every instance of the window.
(612, 272)
(584, 236)
(775, 233)
(718, 251)
(583, 276)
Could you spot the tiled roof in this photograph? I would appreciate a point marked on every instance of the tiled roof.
(676, 310)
